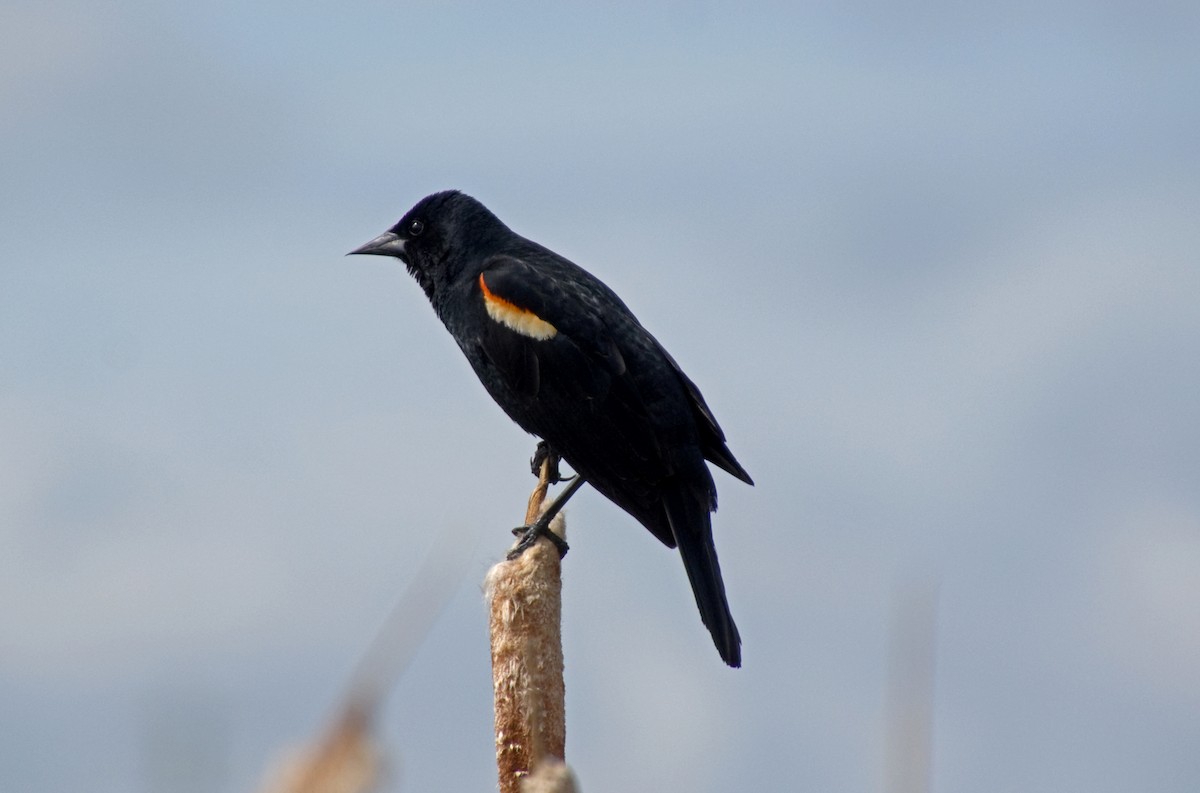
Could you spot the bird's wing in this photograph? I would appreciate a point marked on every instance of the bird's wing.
(549, 338)
(712, 437)
(535, 318)
(542, 326)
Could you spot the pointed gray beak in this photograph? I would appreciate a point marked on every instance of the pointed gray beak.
(386, 244)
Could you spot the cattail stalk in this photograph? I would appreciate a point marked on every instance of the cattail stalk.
(525, 601)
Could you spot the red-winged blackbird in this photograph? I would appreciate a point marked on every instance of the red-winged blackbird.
(568, 362)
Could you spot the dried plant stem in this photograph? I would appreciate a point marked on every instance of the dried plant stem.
(525, 599)
(344, 760)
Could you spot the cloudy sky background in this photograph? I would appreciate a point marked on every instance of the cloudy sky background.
(936, 270)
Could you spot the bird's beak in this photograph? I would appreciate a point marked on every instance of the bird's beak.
(386, 244)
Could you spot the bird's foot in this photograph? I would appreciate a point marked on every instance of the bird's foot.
(541, 527)
(529, 535)
(544, 454)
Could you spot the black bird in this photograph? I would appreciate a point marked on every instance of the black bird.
(567, 361)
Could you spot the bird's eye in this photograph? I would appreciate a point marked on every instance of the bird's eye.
(415, 228)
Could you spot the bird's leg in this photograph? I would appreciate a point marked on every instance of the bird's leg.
(541, 527)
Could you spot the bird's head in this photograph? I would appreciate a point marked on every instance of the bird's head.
(440, 238)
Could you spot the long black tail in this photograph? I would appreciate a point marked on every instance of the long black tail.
(691, 523)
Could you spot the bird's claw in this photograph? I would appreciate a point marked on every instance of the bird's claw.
(529, 535)
(540, 455)
(541, 526)
(544, 454)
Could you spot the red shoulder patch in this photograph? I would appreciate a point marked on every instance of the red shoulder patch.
(512, 316)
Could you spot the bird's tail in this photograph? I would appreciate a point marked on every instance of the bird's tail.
(691, 523)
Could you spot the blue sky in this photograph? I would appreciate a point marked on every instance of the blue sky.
(934, 269)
